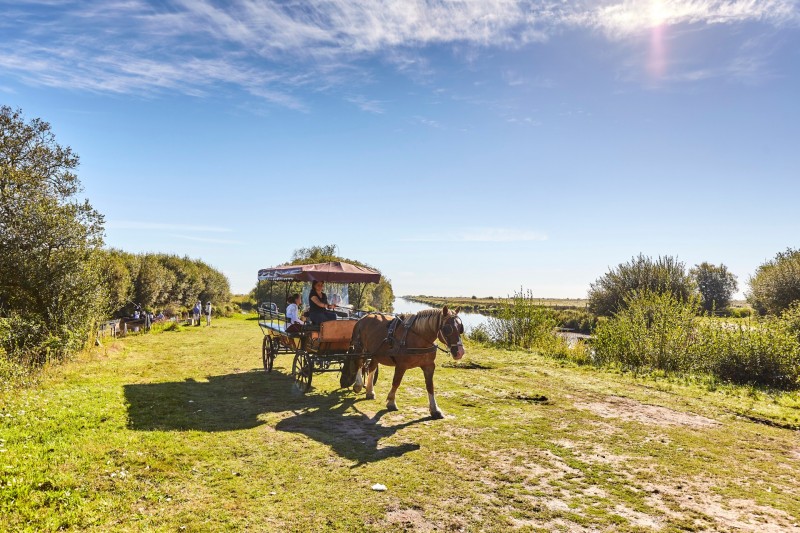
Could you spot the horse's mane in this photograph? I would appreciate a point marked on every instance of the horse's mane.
(427, 319)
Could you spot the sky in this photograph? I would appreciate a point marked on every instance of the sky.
(469, 147)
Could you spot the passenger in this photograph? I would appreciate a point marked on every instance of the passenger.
(318, 304)
(293, 314)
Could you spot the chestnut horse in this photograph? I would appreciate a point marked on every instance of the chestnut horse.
(405, 341)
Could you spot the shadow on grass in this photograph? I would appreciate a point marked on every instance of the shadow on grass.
(223, 403)
(235, 401)
(337, 422)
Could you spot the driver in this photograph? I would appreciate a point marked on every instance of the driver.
(318, 311)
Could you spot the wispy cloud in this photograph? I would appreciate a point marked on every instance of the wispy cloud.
(367, 105)
(136, 225)
(210, 240)
(276, 50)
(482, 235)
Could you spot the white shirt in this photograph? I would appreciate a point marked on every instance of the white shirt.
(291, 314)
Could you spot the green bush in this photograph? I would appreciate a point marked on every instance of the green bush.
(479, 333)
(776, 284)
(520, 322)
(652, 331)
(763, 352)
(576, 320)
(610, 292)
(738, 312)
(660, 332)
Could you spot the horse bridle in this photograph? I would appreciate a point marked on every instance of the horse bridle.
(447, 329)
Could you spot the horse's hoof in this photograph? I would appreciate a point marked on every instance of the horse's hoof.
(370, 396)
(437, 415)
(391, 407)
(357, 388)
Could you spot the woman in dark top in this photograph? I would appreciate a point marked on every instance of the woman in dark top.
(318, 304)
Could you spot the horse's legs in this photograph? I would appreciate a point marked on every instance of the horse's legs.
(436, 413)
(370, 381)
(398, 377)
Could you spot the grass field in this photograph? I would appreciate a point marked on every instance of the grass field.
(182, 431)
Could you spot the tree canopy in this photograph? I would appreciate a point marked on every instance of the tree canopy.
(776, 284)
(716, 285)
(48, 236)
(666, 274)
(378, 296)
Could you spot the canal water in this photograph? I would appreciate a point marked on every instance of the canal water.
(470, 320)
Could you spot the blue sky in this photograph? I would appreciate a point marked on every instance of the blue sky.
(469, 147)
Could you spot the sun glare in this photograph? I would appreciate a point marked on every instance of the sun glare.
(658, 12)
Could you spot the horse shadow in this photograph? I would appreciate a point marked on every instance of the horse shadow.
(337, 421)
(238, 401)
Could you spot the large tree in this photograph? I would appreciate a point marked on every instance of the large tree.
(48, 236)
(362, 295)
(716, 285)
(776, 284)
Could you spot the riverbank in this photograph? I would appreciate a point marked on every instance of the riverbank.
(490, 305)
(185, 431)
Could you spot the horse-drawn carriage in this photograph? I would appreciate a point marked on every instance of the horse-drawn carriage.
(356, 341)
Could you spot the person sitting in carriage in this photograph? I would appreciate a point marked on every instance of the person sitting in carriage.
(318, 304)
(295, 323)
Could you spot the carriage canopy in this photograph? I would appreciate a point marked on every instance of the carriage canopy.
(333, 272)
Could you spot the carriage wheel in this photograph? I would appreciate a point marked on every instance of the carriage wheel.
(267, 354)
(302, 370)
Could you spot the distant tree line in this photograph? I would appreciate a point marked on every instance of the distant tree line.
(159, 282)
(56, 280)
(774, 288)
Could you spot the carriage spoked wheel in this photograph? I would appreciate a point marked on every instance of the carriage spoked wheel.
(267, 354)
(302, 370)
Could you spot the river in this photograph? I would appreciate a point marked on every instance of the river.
(470, 320)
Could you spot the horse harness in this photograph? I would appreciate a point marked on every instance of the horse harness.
(401, 348)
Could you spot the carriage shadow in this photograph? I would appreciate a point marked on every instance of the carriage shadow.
(223, 403)
(237, 401)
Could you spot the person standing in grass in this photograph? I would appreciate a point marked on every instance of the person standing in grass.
(196, 313)
(208, 313)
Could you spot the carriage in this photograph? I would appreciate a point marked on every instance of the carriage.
(317, 348)
(356, 342)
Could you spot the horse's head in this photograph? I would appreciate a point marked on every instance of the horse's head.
(450, 332)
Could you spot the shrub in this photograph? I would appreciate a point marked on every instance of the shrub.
(479, 333)
(610, 292)
(652, 331)
(715, 284)
(576, 320)
(738, 312)
(521, 322)
(763, 352)
(776, 283)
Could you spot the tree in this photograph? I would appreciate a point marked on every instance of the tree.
(776, 284)
(49, 239)
(362, 295)
(716, 285)
(666, 274)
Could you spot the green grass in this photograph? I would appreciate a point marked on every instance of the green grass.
(182, 430)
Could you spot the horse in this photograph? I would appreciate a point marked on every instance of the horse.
(406, 341)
